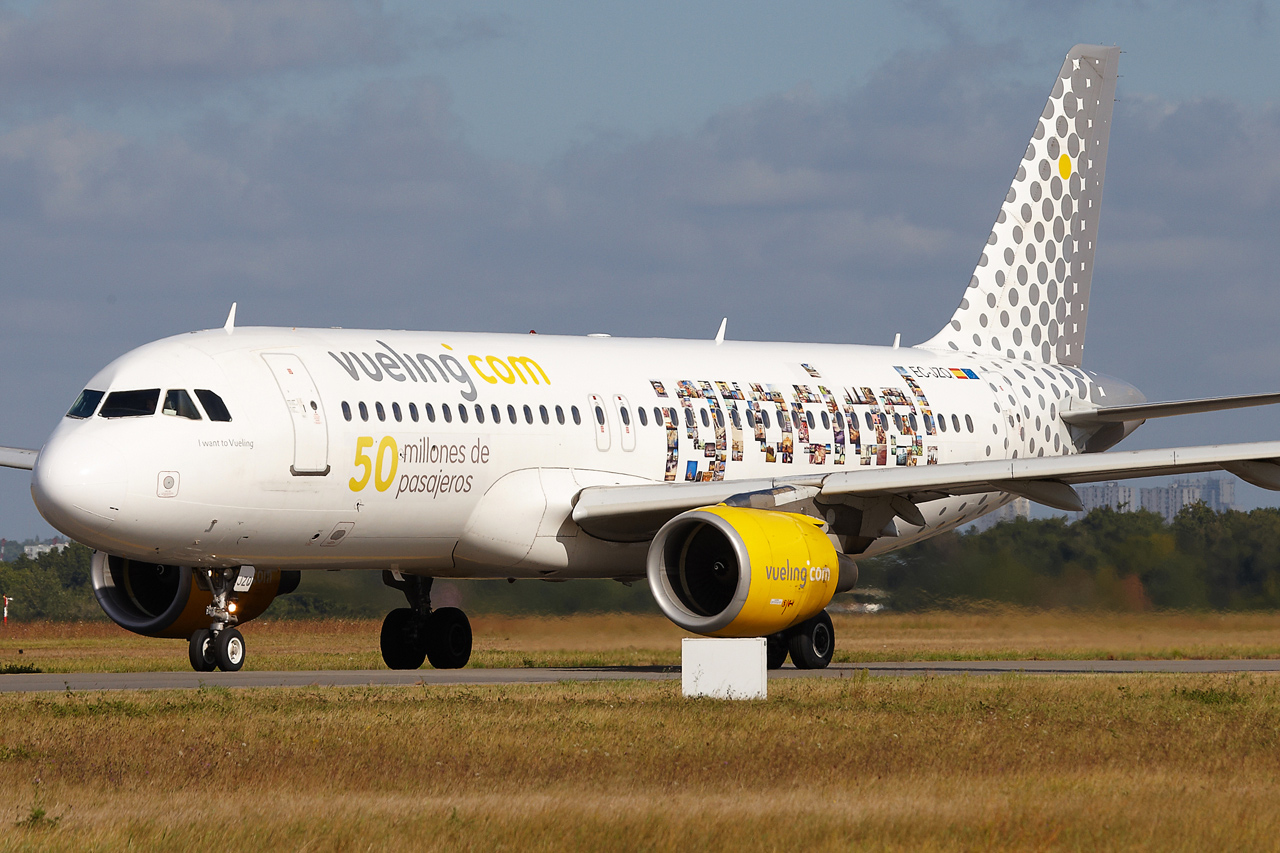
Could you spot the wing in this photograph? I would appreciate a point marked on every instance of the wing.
(633, 513)
(17, 457)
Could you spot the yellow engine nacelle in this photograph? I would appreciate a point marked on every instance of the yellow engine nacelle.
(156, 600)
(741, 572)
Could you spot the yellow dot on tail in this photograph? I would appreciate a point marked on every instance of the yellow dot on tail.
(1064, 166)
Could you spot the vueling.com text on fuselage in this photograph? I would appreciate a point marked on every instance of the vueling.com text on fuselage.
(443, 367)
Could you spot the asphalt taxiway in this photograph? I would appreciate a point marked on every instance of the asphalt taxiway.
(80, 681)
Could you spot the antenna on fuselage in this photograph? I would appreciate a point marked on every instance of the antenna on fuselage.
(720, 334)
(230, 325)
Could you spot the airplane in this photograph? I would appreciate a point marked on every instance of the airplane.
(742, 480)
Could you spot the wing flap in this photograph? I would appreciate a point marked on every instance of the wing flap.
(18, 457)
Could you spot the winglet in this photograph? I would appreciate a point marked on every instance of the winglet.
(230, 325)
(720, 334)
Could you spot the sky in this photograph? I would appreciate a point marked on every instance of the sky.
(813, 171)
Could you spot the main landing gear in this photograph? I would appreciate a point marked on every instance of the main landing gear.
(220, 646)
(811, 644)
(416, 633)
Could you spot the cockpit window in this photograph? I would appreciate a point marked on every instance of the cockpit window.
(130, 404)
(213, 405)
(178, 402)
(85, 404)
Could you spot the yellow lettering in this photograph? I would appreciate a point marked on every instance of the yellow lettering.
(387, 444)
(501, 369)
(362, 461)
(475, 364)
(529, 364)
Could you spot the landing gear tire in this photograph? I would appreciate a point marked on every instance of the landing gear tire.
(776, 650)
(200, 650)
(448, 638)
(228, 650)
(404, 639)
(813, 642)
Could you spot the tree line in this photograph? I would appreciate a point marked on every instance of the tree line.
(1203, 560)
(1107, 560)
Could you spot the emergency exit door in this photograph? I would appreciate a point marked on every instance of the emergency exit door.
(310, 431)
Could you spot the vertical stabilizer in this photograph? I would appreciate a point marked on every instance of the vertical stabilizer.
(1029, 295)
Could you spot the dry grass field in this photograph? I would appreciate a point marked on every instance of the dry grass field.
(1003, 763)
(599, 640)
(1171, 762)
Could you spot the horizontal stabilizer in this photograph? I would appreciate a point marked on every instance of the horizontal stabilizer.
(17, 457)
(1143, 411)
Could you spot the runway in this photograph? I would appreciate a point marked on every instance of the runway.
(88, 681)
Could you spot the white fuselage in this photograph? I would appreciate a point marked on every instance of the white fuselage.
(382, 449)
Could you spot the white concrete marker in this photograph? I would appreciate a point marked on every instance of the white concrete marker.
(724, 669)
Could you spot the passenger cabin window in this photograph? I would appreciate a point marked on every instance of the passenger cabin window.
(479, 413)
(577, 416)
(955, 423)
(826, 421)
(447, 412)
(462, 413)
(968, 422)
(706, 421)
(496, 412)
(364, 412)
(560, 415)
(542, 411)
(751, 419)
(85, 404)
(528, 415)
(395, 412)
(178, 402)
(130, 404)
(942, 422)
(511, 414)
(382, 413)
(413, 412)
(213, 405)
(430, 411)
(644, 416)
(764, 415)
(808, 416)
(657, 416)
(346, 410)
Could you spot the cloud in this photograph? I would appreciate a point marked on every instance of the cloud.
(105, 49)
(841, 218)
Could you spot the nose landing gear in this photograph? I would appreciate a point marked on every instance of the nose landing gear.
(221, 646)
(416, 633)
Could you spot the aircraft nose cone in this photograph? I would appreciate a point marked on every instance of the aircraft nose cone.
(78, 485)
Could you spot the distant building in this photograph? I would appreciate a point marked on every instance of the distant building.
(1118, 496)
(35, 551)
(1017, 508)
(1166, 501)
(1217, 494)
